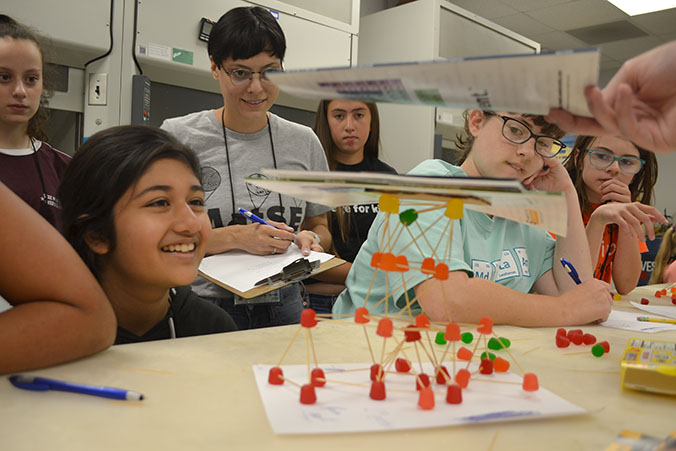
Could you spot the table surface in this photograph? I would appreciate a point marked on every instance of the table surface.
(201, 394)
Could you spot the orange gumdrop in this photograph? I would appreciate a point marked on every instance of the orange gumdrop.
(462, 377)
(307, 394)
(361, 315)
(317, 377)
(376, 258)
(530, 382)
(427, 266)
(388, 262)
(441, 271)
(464, 354)
(485, 326)
(385, 327)
(422, 321)
(500, 365)
(401, 263)
(426, 398)
(308, 318)
(452, 332)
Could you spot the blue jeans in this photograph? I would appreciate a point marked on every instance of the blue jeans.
(254, 316)
(321, 303)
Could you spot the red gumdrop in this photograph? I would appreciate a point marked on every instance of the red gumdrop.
(377, 372)
(308, 318)
(426, 399)
(401, 263)
(377, 390)
(464, 354)
(376, 258)
(422, 321)
(606, 346)
(276, 376)
(485, 325)
(317, 373)
(427, 266)
(562, 341)
(423, 379)
(402, 365)
(307, 394)
(645, 301)
(572, 332)
(673, 299)
(663, 291)
(588, 339)
(452, 332)
(443, 375)
(411, 334)
(454, 394)
(658, 294)
(462, 377)
(500, 365)
(560, 331)
(530, 382)
(361, 315)
(486, 366)
(385, 327)
(441, 271)
(577, 338)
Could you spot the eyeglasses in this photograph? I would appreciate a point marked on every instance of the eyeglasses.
(517, 132)
(241, 77)
(602, 160)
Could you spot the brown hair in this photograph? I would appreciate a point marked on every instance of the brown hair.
(371, 148)
(665, 255)
(464, 140)
(11, 29)
(641, 186)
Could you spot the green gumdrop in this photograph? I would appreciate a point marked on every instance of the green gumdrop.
(439, 339)
(408, 217)
(467, 337)
(598, 350)
(490, 355)
(495, 345)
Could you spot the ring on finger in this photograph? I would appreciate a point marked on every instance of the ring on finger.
(274, 250)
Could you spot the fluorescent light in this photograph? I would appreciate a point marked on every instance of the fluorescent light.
(636, 7)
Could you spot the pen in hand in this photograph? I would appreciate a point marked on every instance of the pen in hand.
(44, 384)
(254, 218)
(571, 270)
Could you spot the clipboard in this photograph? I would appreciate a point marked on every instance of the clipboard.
(257, 291)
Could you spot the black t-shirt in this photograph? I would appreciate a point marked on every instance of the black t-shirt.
(360, 217)
(192, 316)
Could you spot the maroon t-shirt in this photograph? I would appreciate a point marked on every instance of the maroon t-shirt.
(35, 177)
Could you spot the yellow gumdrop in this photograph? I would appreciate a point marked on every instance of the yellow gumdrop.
(389, 203)
(617, 297)
(454, 208)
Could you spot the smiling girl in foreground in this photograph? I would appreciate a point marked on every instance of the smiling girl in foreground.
(495, 263)
(614, 181)
(133, 208)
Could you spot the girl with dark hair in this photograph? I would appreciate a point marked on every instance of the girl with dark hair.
(28, 165)
(238, 140)
(614, 181)
(133, 209)
(349, 131)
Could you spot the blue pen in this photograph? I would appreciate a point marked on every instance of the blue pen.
(44, 384)
(254, 218)
(571, 271)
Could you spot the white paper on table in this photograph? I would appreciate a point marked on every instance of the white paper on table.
(345, 408)
(666, 311)
(242, 270)
(627, 320)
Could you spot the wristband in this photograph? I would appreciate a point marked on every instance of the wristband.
(316, 237)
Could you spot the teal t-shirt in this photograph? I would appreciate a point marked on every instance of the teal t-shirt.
(506, 252)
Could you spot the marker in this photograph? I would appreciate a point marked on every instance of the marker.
(571, 271)
(44, 384)
(656, 320)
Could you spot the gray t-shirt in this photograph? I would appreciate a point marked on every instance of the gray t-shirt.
(296, 147)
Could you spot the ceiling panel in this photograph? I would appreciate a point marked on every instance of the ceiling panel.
(623, 50)
(529, 5)
(658, 23)
(488, 9)
(578, 14)
(558, 40)
(523, 24)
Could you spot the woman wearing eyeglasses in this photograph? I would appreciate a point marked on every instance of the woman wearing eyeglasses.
(238, 140)
(495, 263)
(614, 181)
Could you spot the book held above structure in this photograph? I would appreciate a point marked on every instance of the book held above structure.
(524, 83)
(507, 198)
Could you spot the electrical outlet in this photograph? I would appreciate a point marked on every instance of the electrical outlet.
(98, 89)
